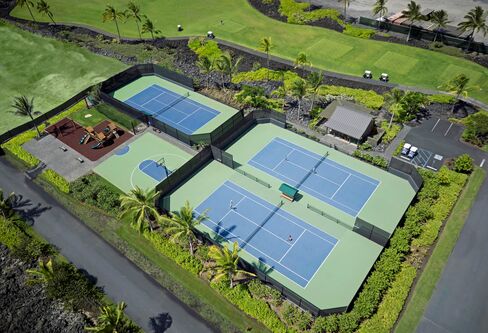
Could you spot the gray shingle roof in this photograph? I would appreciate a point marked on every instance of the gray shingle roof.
(350, 119)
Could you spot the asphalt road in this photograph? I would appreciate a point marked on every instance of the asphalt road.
(149, 305)
(460, 300)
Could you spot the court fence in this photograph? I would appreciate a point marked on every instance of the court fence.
(330, 217)
(406, 171)
(371, 232)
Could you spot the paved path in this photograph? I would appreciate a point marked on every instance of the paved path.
(149, 305)
(460, 300)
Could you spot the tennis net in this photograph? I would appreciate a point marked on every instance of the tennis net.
(328, 216)
(267, 218)
(256, 179)
(169, 106)
(312, 170)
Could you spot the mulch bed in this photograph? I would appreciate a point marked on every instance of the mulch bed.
(70, 133)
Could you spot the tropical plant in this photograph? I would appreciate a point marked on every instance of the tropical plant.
(314, 82)
(28, 4)
(392, 99)
(380, 9)
(22, 106)
(463, 164)
(413, 14)
(6, 204)
(266, 45)
(281, 92)
(346, 5)
(139, 207)
(148, 27)
(299, 90)
(474, 21)
(112, 320)
(229, 66)
(440, 19)
(226, 263)
(44, 9)
(206, 67)
(181, 225)
(44, 274)
(134, 12)
(410, 105)
(457, 86)
(302, 60)
(113, 15)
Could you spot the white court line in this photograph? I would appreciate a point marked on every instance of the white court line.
(333, 195)
(432, 130)
(296, 241)
(317, 174)
(445, 134)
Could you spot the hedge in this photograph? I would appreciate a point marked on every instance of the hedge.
(368, 98)
(298, 13)
(14, 146)
(392, 303)
(205, 48)
(390, 132)
(374, 160)
(56, 180)
(264, 74)
(441, 99)
(358, 32)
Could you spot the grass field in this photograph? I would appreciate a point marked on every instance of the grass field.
(46, 69)
(245, 26)
(100, 113)
(433, 270)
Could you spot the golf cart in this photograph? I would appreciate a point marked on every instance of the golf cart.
(413, 151)
(406, 149)
(384, 77)
(367, 74)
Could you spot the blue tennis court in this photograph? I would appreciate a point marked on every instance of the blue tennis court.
(155, 170)
(275, 237)
(173, 109)
(329, 181)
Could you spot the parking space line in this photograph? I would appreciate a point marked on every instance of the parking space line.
(433, 128)
(482, 163)
(445, 134)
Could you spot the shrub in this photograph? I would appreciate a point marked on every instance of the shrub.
(463, 164)
(476, 130)
(365, 146)
(56, 180)
(298, 13)
(368, 98)
(264, 292)
(441, 99)
(375, 160)
(358, 32)
(96, 191)
(390, 133)
(205, 48)
(253, 97)
(295, 317)
(398, 149)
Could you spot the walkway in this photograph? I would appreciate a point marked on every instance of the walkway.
(149, 305)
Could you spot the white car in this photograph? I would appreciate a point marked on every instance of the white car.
(406, 149)
(413, 151)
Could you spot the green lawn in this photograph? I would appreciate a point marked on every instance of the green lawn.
(46, 69)
(94, 116)
(433, 270)
(244, 25)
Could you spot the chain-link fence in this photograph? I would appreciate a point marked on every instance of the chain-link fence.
(406, 171)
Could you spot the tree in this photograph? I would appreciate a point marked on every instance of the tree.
(281, 92)
(226, 263)
(206, 67)
(28, 4)
(254, 97)
(440, 19)
(266, 45)
(44, 9)
(228, 65)
(134, 12)
(392, 99)
(139, 206)
(148, 27)
(314, 82)
(6, 204)
(457, 86)
(474, 21)
(111, 14)
(414, 14)
(23, 107)
(477, 128)
(44, 274)
(182, 223)
(380, 9)
(299, 90)
(302, 60)
(410, 105)
(346, 5)
(463, 164)
(112, 320)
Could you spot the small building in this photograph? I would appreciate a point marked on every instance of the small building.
(348, 121)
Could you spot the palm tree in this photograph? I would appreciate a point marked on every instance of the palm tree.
(182, 223)
(281, 92)
(206, 67)
(266, 45)
(228, 65)
(23, 107)
(440, 19)
(139, 206)
(148, 26)
(6, 204)
(44, 274)
(457, 86)
(111, 14)
(380, 9)
(44, 9)
(346, 5)
(112, 320)
(302, 60)
(226, 263)
(28, 4)
(314, 82)
(299, 90)
(134, 12)
(474, 21)
(393, 97)
(414, 14)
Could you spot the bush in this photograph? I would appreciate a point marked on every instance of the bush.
(96, 191)
(476, 131)
(264, 292)
(253, 97)
(205, 48)
(398, 149)
(298, 13)
(441, 99)
(375, 160)
(390, 133)
(368, 98)
(358, 32)
(463, 164)
(296, 318)
(56, 180)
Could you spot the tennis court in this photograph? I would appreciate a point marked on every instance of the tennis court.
(275, 237)
(329, 181)
(178, 111)
(144, 162)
